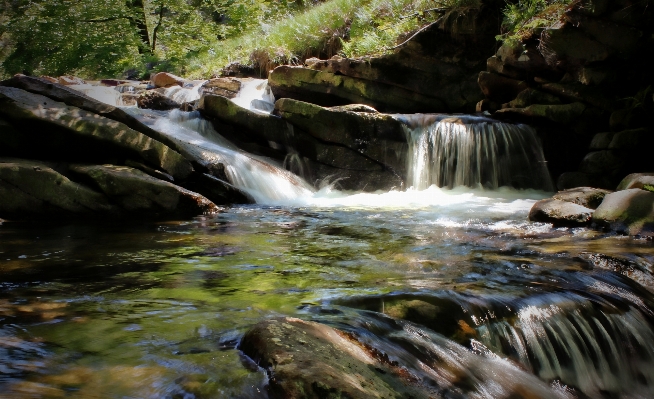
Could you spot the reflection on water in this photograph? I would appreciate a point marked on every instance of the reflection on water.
(454, 285)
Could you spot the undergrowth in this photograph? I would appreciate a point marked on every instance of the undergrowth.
(524, 17)
(349, 28)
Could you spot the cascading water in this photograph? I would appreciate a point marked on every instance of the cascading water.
(473, 151)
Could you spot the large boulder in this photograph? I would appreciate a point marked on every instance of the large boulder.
(165, 79)
(53, 130)
(312, 360)
(138, 193)
(34, 189)
(560, 213)
(77, 99)
(585, 196)
(628, 211)
(378, 136)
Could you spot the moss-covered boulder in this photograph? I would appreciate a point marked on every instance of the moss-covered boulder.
(53, 130)
(378, 136)
(311, 360)
(32, 189)
(560, 213)
(627, 211)
(139, 193)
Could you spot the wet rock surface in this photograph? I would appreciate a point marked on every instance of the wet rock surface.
(328, 153)
(628, 211)
(311, 360)
(585, 196)
(560, 213)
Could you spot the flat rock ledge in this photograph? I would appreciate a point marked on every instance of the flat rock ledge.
(311, 360)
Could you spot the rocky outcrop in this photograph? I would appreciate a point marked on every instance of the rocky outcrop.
(325, 159)
(435, 71)
(583, 75)
(311, 360)
(377, 136)
(560, 213)
(628, 211)
(76, 99)
(49, 128)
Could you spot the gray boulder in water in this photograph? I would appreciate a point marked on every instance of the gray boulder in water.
(560, 213)
(628, 211)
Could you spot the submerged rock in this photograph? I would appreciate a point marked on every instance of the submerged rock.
(585, 196)
(560, 213)
(50, 129)
(628, 211)
(137, 192)
(310, 360)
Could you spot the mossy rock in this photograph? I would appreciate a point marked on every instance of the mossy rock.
(628, 212)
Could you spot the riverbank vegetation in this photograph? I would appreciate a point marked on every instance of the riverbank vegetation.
(197, 38)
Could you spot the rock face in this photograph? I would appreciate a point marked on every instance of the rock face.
(560, 213)
(356, 168)
(628, 211)
(311, 360)
(48, 129)
(137, 192)
(582, 76)
(377, 136)
(435, 71)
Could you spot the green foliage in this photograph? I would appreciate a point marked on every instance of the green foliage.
(648, 187)
(523, 17)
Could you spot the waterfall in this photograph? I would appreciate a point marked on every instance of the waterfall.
(473, 151)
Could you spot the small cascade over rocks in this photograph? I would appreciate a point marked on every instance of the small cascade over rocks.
(468, 150)
(255, 95)
(197, 140)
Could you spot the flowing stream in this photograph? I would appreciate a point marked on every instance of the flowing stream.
(452, 283)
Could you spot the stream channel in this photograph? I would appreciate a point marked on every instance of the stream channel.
(454, 277)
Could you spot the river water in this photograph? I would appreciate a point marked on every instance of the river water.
(453, 284)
